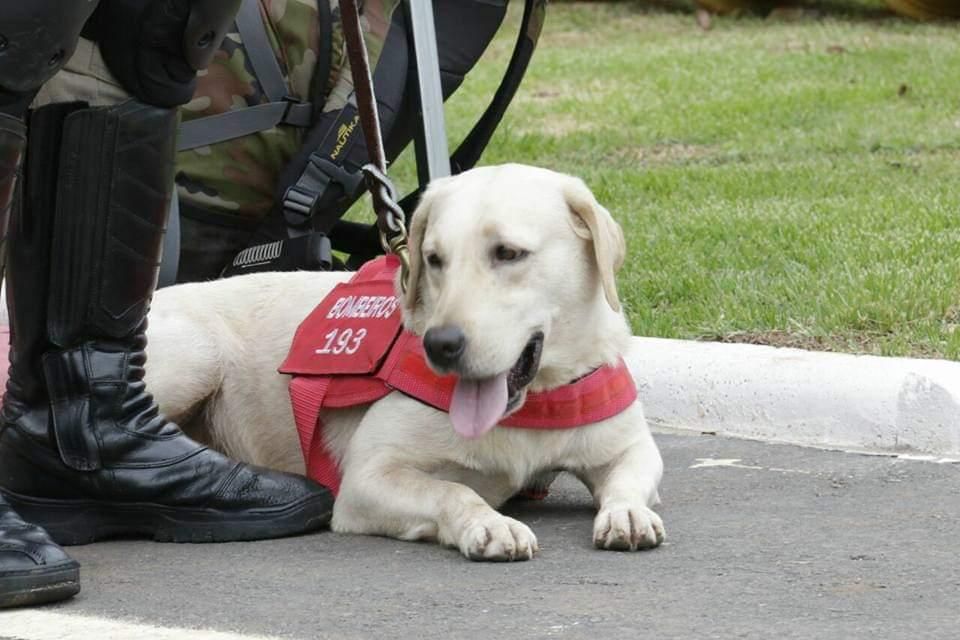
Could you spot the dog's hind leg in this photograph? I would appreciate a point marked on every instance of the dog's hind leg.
(624, 490)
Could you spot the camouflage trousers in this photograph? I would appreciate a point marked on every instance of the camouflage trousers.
(226, 189)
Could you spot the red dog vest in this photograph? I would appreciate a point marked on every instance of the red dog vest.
(351, 351)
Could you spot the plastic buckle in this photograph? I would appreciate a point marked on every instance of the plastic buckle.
(300, 201)
(349, 182)
(298, 204)
(297, 113)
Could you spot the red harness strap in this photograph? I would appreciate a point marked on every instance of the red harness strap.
(330, 371)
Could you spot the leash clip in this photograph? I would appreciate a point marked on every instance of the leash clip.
(391, 220)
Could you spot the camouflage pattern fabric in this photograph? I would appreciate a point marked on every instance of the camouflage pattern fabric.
(235, 180)
(239, 177)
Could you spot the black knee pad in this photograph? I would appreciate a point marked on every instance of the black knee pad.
(36, 38)
(155, 47)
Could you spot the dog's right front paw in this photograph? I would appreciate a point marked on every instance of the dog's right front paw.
(498, 539)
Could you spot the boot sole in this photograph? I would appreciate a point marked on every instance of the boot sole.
(76, 522)
(40, 585)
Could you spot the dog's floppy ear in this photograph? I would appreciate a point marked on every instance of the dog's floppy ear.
(418, 227)
(593, 222)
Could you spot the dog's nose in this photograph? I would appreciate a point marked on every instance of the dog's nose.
(444, 345)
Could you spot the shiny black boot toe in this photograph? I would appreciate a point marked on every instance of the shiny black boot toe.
(33, 569)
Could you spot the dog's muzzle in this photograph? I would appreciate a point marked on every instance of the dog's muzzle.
(479, 403)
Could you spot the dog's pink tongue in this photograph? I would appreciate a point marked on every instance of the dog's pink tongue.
(477, 405)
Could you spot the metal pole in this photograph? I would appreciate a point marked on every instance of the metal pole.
(424, 35)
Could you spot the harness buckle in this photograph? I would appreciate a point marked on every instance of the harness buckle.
(303, 200)
(297, 113)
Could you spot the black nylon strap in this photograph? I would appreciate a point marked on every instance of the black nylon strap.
(256, 44)
(242, 122)
(469, 151)
(471, 148)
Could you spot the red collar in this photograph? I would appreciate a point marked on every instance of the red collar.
(601, 394)
(387, 359)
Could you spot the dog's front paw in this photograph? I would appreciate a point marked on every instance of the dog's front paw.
(627, 528)
(498, 538)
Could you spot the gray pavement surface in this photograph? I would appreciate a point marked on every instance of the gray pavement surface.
(783, 542)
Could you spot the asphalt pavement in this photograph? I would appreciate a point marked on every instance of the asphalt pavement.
(764, 541)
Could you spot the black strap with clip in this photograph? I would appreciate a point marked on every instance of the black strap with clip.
(326, 165)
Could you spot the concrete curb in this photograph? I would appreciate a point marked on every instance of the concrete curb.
(896, 405)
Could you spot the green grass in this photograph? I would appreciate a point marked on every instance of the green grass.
(786, 182)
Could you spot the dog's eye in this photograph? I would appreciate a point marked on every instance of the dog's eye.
(434, 260)
(503, 253)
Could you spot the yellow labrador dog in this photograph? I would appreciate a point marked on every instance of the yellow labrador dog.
(505, 260)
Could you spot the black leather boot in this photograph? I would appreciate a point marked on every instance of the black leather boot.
(33, 569)
(84, 451)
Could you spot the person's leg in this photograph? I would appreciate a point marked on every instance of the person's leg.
(33, 569)
(83, 450)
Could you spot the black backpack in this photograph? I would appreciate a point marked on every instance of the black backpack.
(323, 179)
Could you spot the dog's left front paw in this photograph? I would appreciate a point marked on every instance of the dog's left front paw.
(627, 529)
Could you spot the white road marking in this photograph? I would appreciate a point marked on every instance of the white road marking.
(706, 463)
(31, 624)
(721, 462)
(916, 457)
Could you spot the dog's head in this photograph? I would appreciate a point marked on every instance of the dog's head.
(511, 285)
